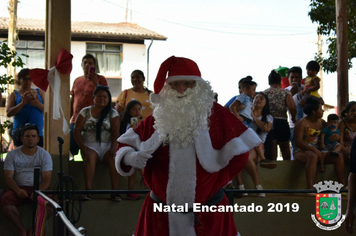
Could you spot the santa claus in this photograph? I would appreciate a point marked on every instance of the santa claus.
(189, 149)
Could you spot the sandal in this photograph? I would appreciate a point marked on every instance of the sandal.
(266, 163)
(115, 197)
(85, 197)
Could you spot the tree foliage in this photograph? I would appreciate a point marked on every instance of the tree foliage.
(8, 57)
(323, 12)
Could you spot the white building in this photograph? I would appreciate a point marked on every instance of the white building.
(118, 47)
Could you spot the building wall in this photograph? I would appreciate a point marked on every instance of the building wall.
(78, 51)
(134, 57)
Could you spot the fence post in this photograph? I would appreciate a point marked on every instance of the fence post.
(36, 186)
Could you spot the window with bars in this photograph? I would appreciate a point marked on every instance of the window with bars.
(35, 50)
(109, 58)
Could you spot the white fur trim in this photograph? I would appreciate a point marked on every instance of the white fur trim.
(118, 158)
(181, 188)
(214, 160)
(155, 98)
(151, 144)
(181, 224)
(130, 137)
(134, 140)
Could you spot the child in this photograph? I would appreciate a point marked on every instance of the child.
(131, 118)
(325, 143)
(312, 82)
(241, 108)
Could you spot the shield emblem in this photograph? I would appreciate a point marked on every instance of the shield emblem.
(328, 208)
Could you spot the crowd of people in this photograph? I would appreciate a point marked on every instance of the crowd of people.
(294, 122)
(174, 150)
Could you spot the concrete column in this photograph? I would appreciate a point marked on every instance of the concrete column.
(58, 36)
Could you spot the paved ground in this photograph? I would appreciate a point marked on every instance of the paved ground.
(122, 216)
(103, 217)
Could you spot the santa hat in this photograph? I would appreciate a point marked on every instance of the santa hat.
(178, 68)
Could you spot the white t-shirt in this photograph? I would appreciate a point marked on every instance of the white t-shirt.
(262, 135)
(23, 165)
(296, 98)
(89, 129)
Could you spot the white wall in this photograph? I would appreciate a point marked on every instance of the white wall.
(78, 50)
(134, 57)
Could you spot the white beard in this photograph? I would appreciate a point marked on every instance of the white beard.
(179, 116)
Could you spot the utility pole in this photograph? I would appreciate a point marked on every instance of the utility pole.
(12, 35)
(342, 55)
(320, 52)
(128, 8)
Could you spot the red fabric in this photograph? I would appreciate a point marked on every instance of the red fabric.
(285, 82)
(39, 78)
(214, 224)
(41, 216)
(64, 62)
(9, 197)
(175, 66)
(223, 127)
(63, 65)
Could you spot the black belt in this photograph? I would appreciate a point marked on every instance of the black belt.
(215, 199)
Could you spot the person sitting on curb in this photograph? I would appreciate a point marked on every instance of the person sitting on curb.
(18, 175)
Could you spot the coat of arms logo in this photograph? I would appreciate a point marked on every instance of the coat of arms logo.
(328, 205)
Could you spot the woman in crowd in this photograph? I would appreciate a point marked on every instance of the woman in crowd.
(280, 100)
(261, 124)
(26, 105)
(347, 127)
(306, 139)
(131, 118)
(138, 92)
(96, 130)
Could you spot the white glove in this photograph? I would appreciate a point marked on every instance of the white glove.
(137, 160)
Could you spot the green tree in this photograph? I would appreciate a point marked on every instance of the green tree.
(323, 12)
(8, 57)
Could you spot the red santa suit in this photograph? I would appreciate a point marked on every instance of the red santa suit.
(189, 175)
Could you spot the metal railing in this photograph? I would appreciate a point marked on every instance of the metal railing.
(60, 220)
